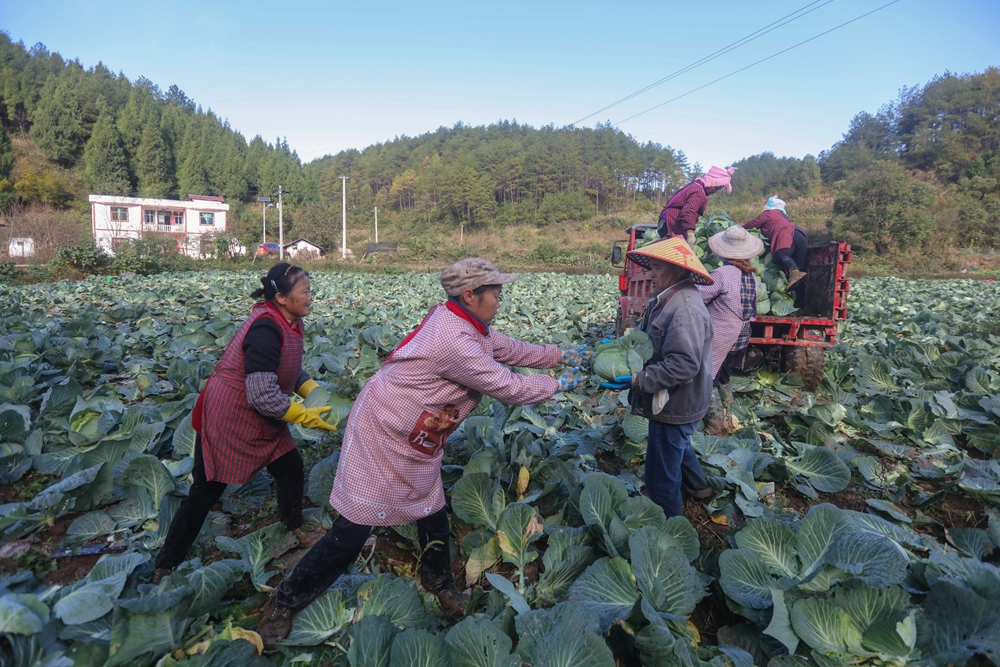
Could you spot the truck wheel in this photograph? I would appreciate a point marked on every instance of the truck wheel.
(806, 362)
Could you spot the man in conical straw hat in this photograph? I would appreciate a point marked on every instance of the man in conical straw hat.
(674, 388)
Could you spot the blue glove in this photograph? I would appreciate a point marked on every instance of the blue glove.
(570, 380)
(621, 382)
(575, 356)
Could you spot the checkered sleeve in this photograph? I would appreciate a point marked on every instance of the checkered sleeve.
(467, 364)
(518, 353)
(264, 395)
(710, 293)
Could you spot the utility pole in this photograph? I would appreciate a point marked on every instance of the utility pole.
(343, 219)
(376, 224)
(281, 227)
(263, 211)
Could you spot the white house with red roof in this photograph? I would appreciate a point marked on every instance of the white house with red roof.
(193, 224)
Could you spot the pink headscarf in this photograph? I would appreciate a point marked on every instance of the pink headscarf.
(718, 177)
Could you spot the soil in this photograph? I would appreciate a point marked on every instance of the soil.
(851, 498)
(393, 558)
(712, 614)
(713, 536)
(609, 463)
(25, 487)
(532, 572)
(961, 511)
(848, 499)
(71, 568)
(953, 512)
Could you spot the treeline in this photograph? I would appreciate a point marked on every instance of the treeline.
(926, 166)
(123, 137)
(505, 173)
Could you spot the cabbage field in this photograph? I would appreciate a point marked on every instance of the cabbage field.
(853, 525)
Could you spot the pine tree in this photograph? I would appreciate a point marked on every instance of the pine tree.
(193, 159)
(152, 163)
(6, 154)
(55, 127)
(106, 169)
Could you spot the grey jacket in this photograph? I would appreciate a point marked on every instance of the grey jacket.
(678, 323)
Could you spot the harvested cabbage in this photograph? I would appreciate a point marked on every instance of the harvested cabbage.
(623, 356)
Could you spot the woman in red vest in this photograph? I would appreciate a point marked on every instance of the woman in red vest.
(241, 418)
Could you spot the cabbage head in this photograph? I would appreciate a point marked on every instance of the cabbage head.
(623, 356)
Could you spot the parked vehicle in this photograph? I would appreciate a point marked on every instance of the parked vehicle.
(793, 344)
(267, 249)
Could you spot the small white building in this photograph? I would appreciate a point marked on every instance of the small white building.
(303, 249)
(21, 247)
(193, 224)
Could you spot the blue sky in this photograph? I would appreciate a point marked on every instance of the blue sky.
(335, 75)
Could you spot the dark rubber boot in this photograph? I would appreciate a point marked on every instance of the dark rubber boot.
(452, 602)
(275, 622)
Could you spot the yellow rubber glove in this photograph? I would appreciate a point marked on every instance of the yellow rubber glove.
(308, 417)
(306, 387)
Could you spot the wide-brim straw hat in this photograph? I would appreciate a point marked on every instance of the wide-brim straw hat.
(673, 251)
(735, 243)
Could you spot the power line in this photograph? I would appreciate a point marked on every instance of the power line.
(774, 55)
(712, 56)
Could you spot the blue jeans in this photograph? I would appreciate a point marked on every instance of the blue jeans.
(670, 461)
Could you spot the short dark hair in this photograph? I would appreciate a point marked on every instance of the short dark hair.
(281, 279)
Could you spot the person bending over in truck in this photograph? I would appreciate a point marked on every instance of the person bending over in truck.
(732, 304)
(680, 216)
(674, 388)
(390, 462)
(789, 242)
(241, 418)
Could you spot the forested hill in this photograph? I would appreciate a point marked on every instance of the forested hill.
(508, 173)
(122, 137)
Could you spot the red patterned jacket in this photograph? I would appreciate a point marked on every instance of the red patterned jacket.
(776, 226)
(682, 212)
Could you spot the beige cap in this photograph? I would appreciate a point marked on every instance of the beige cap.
(472, 273)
